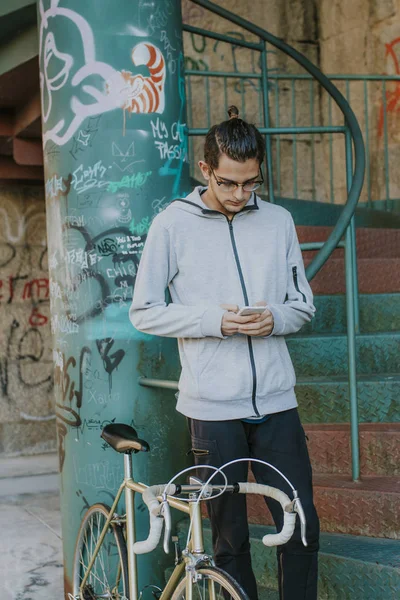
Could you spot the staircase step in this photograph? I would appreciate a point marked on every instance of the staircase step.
(375, 276)
(326, 399)
(378, 312)
(308, 212)
(369, 507)
(350, 567)
(371, 243)
(315, 355)
(330, 451)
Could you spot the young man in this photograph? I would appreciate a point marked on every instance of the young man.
(219, 249)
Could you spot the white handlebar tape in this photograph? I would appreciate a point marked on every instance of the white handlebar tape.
(156, 521)
(289, 518)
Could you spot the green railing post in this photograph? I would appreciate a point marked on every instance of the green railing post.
(351, 292)
(264, 80)
(352, 226)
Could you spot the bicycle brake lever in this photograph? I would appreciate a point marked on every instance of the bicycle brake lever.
(166, 513)
(299, 509)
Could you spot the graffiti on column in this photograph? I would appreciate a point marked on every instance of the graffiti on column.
(104, 193)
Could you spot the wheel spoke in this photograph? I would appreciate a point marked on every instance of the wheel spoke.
(107, 576)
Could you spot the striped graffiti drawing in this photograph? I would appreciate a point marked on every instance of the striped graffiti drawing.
(146, 94)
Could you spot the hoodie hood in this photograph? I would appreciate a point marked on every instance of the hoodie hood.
(194, 204)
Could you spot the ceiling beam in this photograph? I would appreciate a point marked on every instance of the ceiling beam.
(19, 50)
(6, 124)
(28, 152)
(27, 114)
(10, 6)
(10, 170)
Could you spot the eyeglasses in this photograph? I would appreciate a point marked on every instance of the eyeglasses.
(231, 186)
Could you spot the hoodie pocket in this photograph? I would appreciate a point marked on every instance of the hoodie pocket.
(208, 353)
(274, 366)
(224, 369)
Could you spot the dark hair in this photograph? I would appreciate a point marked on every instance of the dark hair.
(235, 138)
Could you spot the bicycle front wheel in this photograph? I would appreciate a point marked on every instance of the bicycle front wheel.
(108, 576)
(210, 583)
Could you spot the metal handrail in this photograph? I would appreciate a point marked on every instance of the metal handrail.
(350, 120)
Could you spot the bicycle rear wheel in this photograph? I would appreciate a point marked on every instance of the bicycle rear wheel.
(108, 576)
(211, 584)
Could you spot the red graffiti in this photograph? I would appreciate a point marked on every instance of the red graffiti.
(37, 289)
(37, 319)
(393, 95)
(36, 285)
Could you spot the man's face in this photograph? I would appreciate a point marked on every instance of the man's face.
(232, 202)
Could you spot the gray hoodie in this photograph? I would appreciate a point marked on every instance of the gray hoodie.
(206, 260)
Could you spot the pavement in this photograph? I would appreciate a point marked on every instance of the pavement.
(31, 565)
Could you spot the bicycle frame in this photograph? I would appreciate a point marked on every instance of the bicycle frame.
(196, 546)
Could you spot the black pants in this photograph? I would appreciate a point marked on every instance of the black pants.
(281, 441)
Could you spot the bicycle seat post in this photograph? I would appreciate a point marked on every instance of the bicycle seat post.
(130, 527)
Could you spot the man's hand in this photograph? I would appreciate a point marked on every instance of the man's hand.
(231, 321)
(262, 326)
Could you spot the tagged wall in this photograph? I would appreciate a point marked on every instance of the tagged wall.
(363, 37)
(293, 20)
(27, 420)
(360, 37)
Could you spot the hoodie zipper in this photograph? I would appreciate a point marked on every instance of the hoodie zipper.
(296, 284)
(246, 301)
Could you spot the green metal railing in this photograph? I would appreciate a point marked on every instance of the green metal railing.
(352, 144)
(376, 103)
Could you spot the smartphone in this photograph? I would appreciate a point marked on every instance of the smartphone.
(245, 311)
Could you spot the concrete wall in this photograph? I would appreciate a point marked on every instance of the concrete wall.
(295, 22)
(27, 421)
(363, 37)
(342, 37)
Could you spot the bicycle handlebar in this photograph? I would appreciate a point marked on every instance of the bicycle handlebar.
(289, 517)
(156, 519)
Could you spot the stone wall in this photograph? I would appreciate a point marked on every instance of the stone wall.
(364, 37)
(341, 37)
(295, 22)
(27, 423)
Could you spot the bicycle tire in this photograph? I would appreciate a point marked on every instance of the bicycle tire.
(228, 588)
(109, 573)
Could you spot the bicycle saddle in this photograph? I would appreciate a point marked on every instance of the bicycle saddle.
(123, 438)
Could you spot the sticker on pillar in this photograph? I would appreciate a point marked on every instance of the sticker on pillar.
(145, 94)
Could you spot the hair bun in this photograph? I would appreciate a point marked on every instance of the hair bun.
(233, 112)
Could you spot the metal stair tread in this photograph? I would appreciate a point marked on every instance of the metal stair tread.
(364, 427)
(382, 484)
(377, 551)
(361, 296)
(340, 336)
(361, 378)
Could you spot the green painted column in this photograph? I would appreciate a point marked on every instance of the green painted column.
(115, 151)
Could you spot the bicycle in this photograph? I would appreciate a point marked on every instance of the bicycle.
(106, 546)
